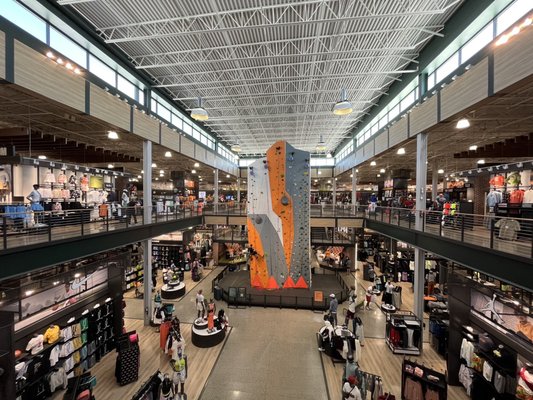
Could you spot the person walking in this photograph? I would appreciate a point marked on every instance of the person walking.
(333, 305)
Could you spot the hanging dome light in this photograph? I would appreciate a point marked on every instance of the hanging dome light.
(236, 147)
(343, 107)
(199, 113)
(321, 146)
(463, 123)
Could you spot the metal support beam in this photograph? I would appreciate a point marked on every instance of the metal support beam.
(354, 186)
(334, 202)
(147, 244)
(215, 194)
(420, 259)
(434, 180)
(238, 190)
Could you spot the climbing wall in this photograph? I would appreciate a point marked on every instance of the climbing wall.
(278, 218)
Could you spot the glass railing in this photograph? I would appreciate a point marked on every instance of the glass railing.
(28, 227)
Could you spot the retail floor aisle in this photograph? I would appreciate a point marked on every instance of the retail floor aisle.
(270, 354)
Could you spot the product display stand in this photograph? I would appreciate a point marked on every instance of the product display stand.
(202, 338)
(173, 290)
(127, 364)
(420, 382)
(403, 333)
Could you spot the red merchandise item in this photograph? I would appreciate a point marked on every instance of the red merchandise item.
(498, 180)
(163, 334)
(447, 207)
(516, 197)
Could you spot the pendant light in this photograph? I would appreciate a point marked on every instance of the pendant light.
(463, 123)
(199, 113)
(236, 147)
(321, 146)
(343, 107)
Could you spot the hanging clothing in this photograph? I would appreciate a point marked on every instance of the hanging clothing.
(509, 228)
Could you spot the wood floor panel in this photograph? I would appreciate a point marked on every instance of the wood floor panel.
(201, 362)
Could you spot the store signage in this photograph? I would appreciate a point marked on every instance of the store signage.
(318, 296)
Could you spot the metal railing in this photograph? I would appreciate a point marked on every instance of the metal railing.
(503, 233)
(34, 227)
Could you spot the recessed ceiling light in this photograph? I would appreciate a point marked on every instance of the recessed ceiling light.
(473, 148)
(372, 163)
(49, 54)
(60, 61)
(196, 165)
(481, 161)
(77, 71)
(110, 166)
(168, 154)
(440, 171)
(69, 66)
(401, 151)
(41, 157)
(463, 123)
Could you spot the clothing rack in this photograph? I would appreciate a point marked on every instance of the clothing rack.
(150, 387)
(370, 385)
(421, 382)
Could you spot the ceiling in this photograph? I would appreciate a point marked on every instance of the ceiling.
(270, 69)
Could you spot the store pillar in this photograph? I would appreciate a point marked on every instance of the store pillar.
(334, 202)
(215, 187)
(354, 186)
(420, 259)
(238, 190)
(434, 180)
(147, 244)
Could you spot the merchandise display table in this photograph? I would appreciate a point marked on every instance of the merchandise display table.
(388, 308)
(171, 291)
(202, 338)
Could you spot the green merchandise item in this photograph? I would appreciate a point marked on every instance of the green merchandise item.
(514, 179)
(84, 323)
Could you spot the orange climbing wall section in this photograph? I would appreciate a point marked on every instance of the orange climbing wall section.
(258, 266)
(276, 159)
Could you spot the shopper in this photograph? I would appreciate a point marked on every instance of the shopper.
(350, 367)
(350, 390)
(131, 211)
(157, 300)
(325, 335)
(180, 374)
(368, 296)
(200, 304)
(350, 314)
(35, 201)
(431, 277)
(333, 305)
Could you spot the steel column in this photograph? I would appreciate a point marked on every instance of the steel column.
(334, 202)
(420, 259)
(215, 194)
(434, 180)
(147, 219)
(354, 186)
(238, 191)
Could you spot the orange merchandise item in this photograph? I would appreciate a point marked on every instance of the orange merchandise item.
(516, 197)
(498, 180)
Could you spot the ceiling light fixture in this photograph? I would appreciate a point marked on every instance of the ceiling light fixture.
(481, 161)
(77, 71)
(199, 113)
(321, 146)
(372, 163)
(154, 165)
(472, 148)
(110, 166)
(440, 171)
(69, 66)
(112, 135)
(60, 61)
(378, 175)
(400, 151)
(168, 154)
(196, 165)
(41, 157)
(227, 176)
(319, 172)
(161, 171)
(49, 54)
(463, 123)
(139, 176)
(382, 170)
(343, 107)
(193, 171)
(351, 175)
(328, 155)
(236, 147)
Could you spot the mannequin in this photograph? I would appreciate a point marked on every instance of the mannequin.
(180, 374)
(211, 308)
(167, 388)
(200, 304)
(222, 320)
